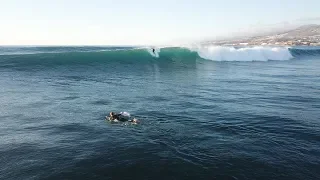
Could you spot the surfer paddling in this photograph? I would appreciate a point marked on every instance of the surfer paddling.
(122, 117)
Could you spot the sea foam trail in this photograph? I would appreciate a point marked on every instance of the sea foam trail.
(221, 53)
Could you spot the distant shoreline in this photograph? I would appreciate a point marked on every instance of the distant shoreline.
(308, 35)
(262, 43)
(267, 45)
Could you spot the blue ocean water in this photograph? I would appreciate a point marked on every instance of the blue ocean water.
(205, 112)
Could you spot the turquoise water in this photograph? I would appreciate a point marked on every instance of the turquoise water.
(204, 113)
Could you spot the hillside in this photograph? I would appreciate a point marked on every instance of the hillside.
(303, 31)
(303, 35)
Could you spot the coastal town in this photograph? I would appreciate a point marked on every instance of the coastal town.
(303, 36)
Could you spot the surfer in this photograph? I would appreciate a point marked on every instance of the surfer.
(121, 117)
(113, 116)
(153, 50)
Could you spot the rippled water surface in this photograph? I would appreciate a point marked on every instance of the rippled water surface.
(200, 119)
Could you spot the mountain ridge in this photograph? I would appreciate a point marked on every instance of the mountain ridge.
(302, 35)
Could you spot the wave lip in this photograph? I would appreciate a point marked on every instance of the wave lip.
(258, 53)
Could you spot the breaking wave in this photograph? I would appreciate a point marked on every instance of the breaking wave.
(53, 56)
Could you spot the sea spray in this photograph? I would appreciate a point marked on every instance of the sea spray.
(258, 53)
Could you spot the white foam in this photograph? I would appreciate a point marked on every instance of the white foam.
(258, 53)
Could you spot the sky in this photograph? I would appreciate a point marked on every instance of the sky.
(143, 22)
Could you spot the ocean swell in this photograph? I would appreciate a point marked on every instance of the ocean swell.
(61, 56)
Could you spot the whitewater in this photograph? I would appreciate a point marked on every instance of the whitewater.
(211, 52)
(220, 53)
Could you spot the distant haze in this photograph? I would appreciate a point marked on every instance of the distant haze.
(140, 22)
(261, 30)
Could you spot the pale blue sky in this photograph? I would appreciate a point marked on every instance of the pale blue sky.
(120, 22)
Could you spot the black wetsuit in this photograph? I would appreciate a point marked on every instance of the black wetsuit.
(119, 117)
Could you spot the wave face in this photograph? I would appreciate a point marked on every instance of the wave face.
(58, 56)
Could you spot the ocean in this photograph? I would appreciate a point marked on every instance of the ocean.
(205, 112)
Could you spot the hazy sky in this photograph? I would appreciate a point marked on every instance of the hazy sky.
(126, 22)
